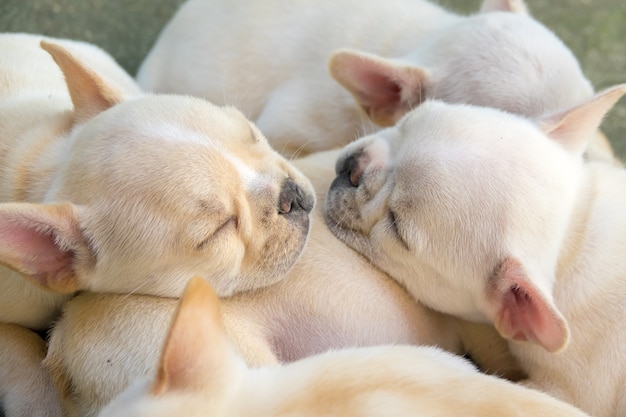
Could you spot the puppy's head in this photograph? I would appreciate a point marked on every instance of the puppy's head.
(500, 57)
(161, 187)
(468, 207)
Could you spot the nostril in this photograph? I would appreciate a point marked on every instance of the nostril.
(355, 176)
(285, 206)
(293, 198)
(351, 168)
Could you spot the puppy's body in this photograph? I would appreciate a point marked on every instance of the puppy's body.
(489, 217)
(589, 291)
(101, 343)
(332, 298)
(35, 111)
(271, 60)
(199, 374)
(26, 389)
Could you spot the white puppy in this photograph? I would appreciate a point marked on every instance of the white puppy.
(272, 59)
(105, 189)
(488, 216)
(199, 374)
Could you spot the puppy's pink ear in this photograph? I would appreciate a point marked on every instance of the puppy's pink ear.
(384, 89)
(522, 312)
(514, 6)
(44, 242)
(197, 355)
(574, 127)
(89, 92)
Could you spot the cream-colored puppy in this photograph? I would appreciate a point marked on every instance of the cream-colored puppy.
(108, 194)
(200, 374)
(489, 216)
(332, 298)
(104, 189)
(316, 74)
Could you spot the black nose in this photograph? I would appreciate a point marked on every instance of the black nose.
(293, 198)
(349, 171)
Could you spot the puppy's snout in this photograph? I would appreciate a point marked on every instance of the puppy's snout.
(351, 170)
(293, 199)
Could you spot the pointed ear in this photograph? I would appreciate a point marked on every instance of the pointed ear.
(45, 243)
(197, 352)
(513, 6)
(574, 128)
(90, 93)
(522, 311)
(384, 89)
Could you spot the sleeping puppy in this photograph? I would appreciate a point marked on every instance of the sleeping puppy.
(491, 217)
(314, 75)
(107, 194)
(105, 189)
(332, 298)
(200, 374)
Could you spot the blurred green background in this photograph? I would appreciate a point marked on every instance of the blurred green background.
(594, 29)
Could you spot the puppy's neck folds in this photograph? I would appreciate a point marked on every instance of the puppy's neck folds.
(589, 291)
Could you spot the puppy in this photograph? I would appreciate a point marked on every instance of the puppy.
(108, 190)
(108, 194)
(200, 374)
(332, 298)
(488, 216)
(314, 75)
(26, 389)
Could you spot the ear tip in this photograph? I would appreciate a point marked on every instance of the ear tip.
(48, 46)
(617, 90)
(339, 58)
(199, 289)
(56, 51)
(563, 340)
(344, 52)
(514, 6)
(198, 285)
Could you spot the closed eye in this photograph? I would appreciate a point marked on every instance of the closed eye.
(231, 221)
(393, 223)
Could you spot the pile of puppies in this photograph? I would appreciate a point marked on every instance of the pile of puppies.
(478, 215)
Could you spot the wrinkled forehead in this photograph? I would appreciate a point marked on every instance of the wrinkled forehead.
(178, 139)
(459, 133)
(184, 117)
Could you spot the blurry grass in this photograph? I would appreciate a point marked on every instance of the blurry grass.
(125, 28)
(595, 30)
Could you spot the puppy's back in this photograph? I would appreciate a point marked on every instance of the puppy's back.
(399, 381)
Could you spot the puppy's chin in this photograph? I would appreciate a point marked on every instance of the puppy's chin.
(355, 239)
(279, 253)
